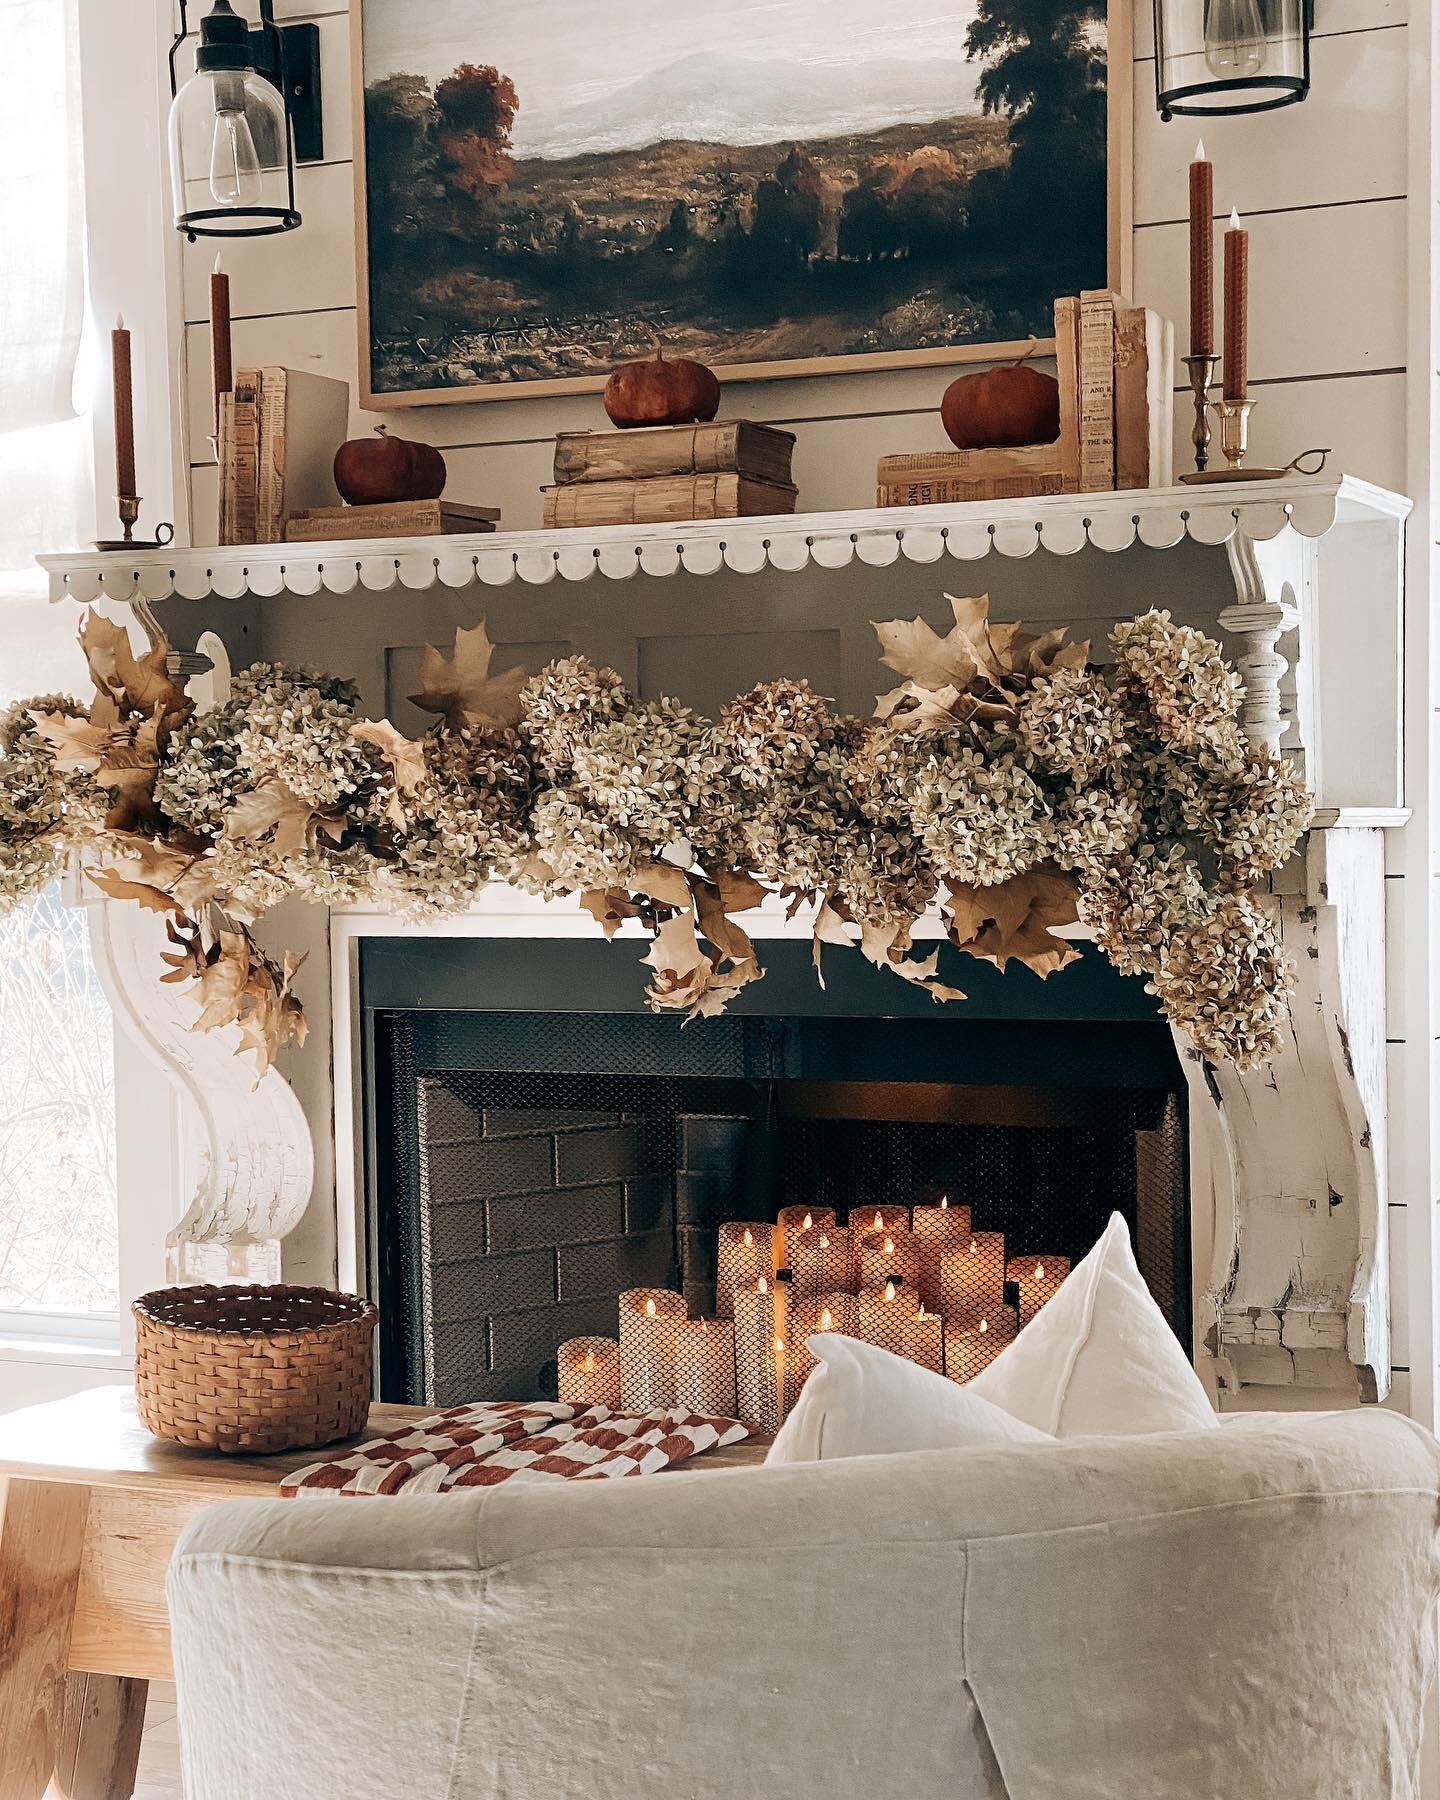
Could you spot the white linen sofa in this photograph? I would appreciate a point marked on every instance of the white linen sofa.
(1236, 1613)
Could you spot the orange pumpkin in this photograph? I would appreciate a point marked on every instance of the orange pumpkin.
(662, 391)
(381, 470)
(1002, 409)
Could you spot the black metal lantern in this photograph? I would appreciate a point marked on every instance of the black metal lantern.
(1231, 56)
(239, 124)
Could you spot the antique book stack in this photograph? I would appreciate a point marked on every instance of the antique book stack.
(279, 431)
(392, 519)
(1115, 366)
(658, 475)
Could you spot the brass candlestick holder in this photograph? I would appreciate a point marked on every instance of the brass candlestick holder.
(1202, 373)
(1234, 417)
(128, 506)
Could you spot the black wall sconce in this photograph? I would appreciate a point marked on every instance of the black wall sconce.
(242, 121)
(1231, 56)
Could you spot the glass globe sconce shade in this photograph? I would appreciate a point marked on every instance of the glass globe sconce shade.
(1231, 56)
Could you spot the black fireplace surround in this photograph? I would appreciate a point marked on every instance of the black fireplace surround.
(537, 1140)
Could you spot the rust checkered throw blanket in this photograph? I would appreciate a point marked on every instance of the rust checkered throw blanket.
(484, 1444)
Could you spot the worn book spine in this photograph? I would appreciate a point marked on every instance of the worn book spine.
(734, 446)
(1132, 398)
(1161, 352)
(1097, 391)
(665, 501)
(947, 491)
(270, 507)
(242, 468)
(408, 518)
(969, 465)
(1067, 373)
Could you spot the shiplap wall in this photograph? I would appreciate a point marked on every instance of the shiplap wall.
(1323, 187)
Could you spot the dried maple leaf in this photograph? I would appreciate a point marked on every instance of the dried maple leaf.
(273, 808)
(888, 947)
(161, 876)
(130, 771)
(832, 926)
(740, 892)
(665, 884)
(461, 688)
(406, 758)
(733, 944)
(1014, 921)
(687, 978)
(74, 743)
(223, 981)
(137, 685)
(609, 907)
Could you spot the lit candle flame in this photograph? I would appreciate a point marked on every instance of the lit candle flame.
(827, 1320)
(809, 1222)
(749, 1238)
(889, 1246)
(824, 1240)
(1199, 155)
(922, 1314)
(984, 1325)
(779, 1346)
(704, 1327)
(1235, 218)
(1039, 1271)
(589, 1362)
(944, 1202)
(879, 1224)
(889, 1290)
(650, 1309)
(762, 1286)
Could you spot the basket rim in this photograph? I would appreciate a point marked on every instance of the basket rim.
(150, 1308)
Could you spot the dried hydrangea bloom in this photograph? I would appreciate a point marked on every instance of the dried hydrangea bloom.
(1138, 905)
(1094, 828)
(1070, 723)
(649, 772)
(561, 707)
(1179, 678)
(1252, 809)
(981, 818)
(774, 731)
(1226, 982)
(580, 845)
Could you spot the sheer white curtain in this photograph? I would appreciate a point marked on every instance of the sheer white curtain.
(58, 1236)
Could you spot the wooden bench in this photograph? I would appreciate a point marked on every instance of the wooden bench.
(90, 1508)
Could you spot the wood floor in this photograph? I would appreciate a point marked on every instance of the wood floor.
(159, 1777)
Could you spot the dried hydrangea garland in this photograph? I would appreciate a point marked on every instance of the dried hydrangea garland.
(1007, 782)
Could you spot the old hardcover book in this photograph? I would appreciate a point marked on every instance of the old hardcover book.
(665, 501)
(304, 419)
(1160, 340)
(1067, 373)
(1132, 397)
(940, 490)
(1097, 390)
(240, 460)
(728, 446)
(403, 518)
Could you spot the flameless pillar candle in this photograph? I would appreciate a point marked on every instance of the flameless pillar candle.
(649, 1318)
(889, 1256)
(789, 1224)
(925, 1340)
(973, 1343)
(590, 1371)
(973, 1279)
(884, 1315)
(1237, 307)
(820, 1260)
(1038, 1279)
(937, 1229)
(1202, 255)
(837, 1311)
(762, 1331)
(705, 1366)
(745, 1253)
(865, 1219)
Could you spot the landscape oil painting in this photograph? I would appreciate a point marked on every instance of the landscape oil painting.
(548, 189)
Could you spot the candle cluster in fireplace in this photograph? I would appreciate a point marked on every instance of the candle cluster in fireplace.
(924, 1283)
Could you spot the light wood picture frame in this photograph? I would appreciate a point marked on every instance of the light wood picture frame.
(511, 253)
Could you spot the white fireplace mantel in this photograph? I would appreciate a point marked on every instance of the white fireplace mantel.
(1289, 1170)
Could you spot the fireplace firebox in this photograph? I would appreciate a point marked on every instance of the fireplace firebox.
(537, 1141)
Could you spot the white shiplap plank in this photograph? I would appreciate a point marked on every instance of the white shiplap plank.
(1346, 142)
(1327, 287)
(308, 270)
(1400, 1284)
(1332, 17)
(1361, 420)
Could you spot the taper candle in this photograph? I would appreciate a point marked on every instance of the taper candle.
(1202, 254)
(705, 1366)
(973, 1277)
(124, 412)
(745, 1251)
(649, 1318)
(820, 1260)
(789, 1223)
(889, 1255)
(925, 1339)
(762, 1327)
(589, 1371)
(885, 1313)
(1237, 308)
(222, 359)
(938, 1228)
(1039, 1279)
(972, 1343)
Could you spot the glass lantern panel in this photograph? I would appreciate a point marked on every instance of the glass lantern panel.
(228, 147)
(1227, 55)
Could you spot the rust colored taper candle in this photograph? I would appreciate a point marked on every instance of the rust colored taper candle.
(1202, 254)
(124, 413)
(1237, 302)
(222, 360)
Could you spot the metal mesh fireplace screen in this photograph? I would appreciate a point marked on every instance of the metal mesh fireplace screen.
(530, 1168)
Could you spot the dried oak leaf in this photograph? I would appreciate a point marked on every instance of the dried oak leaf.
(688, 978)
(272, 1016)
(832, 926)
(74, 743)
(139, 686)
(158, 875)
(888, 947)
(461, 688)
(406, 758)
(1014, 921)
(273, 808)
(733, 944)
(130, 770)
(610, 907)
(973, 672)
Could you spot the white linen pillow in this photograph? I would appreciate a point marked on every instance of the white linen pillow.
(862, 1401)
(1099, 1360)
